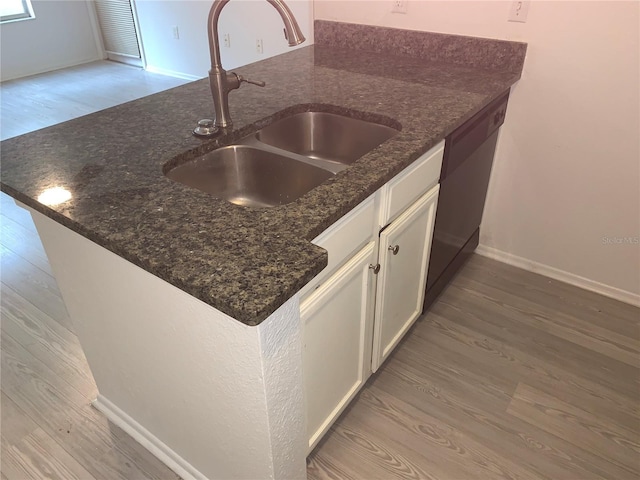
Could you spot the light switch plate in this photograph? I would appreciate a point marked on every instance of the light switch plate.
(519, 11)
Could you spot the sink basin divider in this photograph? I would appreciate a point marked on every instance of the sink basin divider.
(333, 167)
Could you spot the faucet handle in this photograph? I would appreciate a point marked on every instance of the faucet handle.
(252, 82)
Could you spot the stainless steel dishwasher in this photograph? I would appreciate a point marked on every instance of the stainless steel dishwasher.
(466, 167)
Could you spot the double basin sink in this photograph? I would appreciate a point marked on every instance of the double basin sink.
(284, 160)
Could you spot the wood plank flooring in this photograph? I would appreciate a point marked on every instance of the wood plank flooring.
(510, 375)
(48, 427)
(39, 101)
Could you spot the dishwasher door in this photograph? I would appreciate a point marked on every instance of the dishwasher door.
(466, 168)
(460, 207)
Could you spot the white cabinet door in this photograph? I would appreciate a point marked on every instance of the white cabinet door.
(337, 331)
(404, 256)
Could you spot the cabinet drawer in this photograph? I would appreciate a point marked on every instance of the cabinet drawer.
(406, 187)
(344, 238)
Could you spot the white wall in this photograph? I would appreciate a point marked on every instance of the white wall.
(567, 170)
(61, 35)
(244, 20)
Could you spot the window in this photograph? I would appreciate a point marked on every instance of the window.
(11, 10)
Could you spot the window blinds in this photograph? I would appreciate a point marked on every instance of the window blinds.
(118, 27)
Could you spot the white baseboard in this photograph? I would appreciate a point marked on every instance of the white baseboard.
(50, 68)
(145, 438)
(557, 274)
(172, 73)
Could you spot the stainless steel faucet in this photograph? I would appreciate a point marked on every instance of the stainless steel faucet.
(221, 81)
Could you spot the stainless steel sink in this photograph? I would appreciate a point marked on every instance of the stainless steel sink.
(283, 161)
(325, 136)
(248, 176)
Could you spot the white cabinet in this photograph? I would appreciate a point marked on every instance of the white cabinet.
(404, 256)
(337, 332)
(358, 308)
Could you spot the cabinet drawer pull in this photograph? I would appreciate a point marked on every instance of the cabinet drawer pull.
(394, 249)
(375, 268)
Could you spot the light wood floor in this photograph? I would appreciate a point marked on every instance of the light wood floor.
(49, 429)
(35, 102)
(510, 375)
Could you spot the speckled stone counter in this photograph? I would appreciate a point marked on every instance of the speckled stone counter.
(247, 262)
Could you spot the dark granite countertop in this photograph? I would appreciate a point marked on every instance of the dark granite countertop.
(247, 262)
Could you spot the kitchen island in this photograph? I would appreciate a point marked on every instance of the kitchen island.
(197, 347)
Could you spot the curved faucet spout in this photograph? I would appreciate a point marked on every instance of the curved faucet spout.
(292, 29)
(212, 23)
(221, 81)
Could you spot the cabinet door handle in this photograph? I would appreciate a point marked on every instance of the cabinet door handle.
(375, 268)
(394, 249)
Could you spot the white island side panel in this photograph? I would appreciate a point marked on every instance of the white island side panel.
(210, 396)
